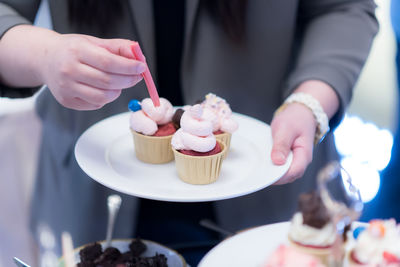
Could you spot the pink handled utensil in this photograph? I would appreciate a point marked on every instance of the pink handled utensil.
(151, 87)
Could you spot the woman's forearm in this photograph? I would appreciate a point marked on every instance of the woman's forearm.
(22, 51)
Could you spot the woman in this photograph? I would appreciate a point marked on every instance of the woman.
(253, 53)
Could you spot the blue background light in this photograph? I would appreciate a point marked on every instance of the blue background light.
(365, 150)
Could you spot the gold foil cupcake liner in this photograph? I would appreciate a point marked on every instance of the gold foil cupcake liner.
(153, 149)
(199, 169)
(226, 139)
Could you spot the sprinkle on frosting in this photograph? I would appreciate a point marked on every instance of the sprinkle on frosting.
(134, 105)
(223, 113)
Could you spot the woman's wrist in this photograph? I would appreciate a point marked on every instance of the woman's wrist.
(323, 93)
(319, 117)
(321, 102)
(24, 51)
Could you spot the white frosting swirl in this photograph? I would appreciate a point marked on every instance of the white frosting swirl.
(161, 114)
(142, 124)
(147, 119)
(192, 121)
(209, 115)
(308, 235)
(371, 244)
(195, 132)
(222, 111)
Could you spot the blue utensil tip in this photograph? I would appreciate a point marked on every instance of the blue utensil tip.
(358, 231)
(134, 105)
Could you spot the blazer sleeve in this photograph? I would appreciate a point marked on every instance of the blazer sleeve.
(335, 39)
(13, 13)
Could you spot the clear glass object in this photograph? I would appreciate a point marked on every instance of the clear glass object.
(342, 200)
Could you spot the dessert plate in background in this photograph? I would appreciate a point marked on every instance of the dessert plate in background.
(105, 152)
(249, 248)
(252, 247)
(174, 259)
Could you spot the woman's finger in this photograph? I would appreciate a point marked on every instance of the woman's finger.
(121, 47)
(302, 149)
(301, 159)
(77, 103)
(283, 138)
(103, 80)
(102, 59)
(95, 96)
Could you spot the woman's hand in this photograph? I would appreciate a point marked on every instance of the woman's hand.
(81, 71)
(85, 73)
(294, 128)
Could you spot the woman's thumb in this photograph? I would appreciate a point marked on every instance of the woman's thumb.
(282, 143)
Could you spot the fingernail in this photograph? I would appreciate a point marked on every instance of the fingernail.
(279, 157)
(141, 68)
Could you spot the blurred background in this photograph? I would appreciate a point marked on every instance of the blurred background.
(366, 140)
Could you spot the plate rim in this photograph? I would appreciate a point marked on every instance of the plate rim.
(239, 234)
(80, 158)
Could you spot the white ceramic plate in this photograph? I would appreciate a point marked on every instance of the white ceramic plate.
(106, 153)
(174, 259)
(249, 248)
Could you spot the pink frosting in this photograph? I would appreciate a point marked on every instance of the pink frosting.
(223, 113)
(285, 256)
(209, 115)
(161, 114)
(196, 132)
(147, 119)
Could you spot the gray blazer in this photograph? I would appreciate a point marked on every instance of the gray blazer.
(287, 42)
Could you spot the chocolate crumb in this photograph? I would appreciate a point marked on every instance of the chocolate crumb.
(137, 247)
(90, 253)
(176, 119)
(112, 257)
(109, 256)
(346, 229)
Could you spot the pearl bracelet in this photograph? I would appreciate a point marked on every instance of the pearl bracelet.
(313, 104)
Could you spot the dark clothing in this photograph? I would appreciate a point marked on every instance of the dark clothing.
(169, 30)
(174, 224)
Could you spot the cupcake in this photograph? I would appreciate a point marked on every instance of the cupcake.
(198, 155)
(286, 256)
(152, 130)
(217, 110)
(311, 230)
(376, 245)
